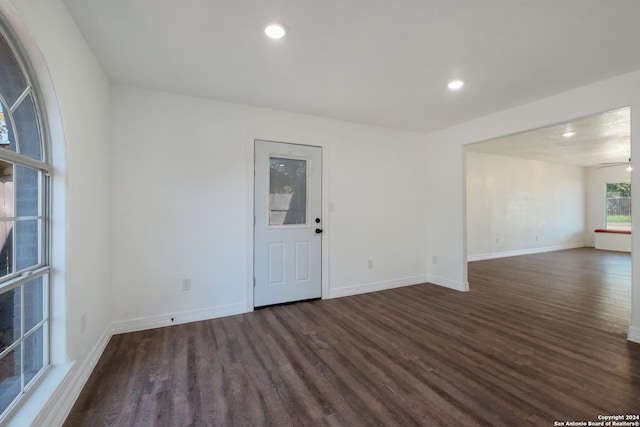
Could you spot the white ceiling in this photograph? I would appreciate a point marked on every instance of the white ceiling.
(371, 61)
(598, 139)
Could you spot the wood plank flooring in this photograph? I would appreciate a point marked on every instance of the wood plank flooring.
(539, 338)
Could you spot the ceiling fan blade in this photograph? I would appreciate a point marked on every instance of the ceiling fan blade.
(611, 165)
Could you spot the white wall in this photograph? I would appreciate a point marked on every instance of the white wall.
(596, 195)
(517, 206)
(77, 97)
(170, 196)
(83, 97)
(445, 183)
(182, 204)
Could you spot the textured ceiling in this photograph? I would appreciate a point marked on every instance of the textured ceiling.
(371, 61)
(598, 139)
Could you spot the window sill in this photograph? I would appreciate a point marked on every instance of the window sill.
(604, 230)
(39, 397)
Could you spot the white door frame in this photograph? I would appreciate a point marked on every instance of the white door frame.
(326, 220)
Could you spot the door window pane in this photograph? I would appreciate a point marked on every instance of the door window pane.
(287, 191)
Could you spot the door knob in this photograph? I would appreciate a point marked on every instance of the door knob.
(318, 230)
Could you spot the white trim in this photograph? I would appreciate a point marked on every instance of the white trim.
(613, 241)
(70, 383)
(286, 138)
(326, 220)
(529, 251)
(250, 211)
(634, 334)
(162, 320)
(375, 286)
(63, 384)
(448, 283)
(37, 400)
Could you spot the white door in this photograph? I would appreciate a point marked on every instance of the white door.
(288, 223)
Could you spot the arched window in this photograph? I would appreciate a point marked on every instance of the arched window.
(24, 230)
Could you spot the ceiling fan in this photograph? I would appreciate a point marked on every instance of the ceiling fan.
(612, 164)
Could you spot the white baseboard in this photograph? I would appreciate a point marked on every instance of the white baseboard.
(169, 319)
(634, 334)
(529, 251)
(375, 286)
(59, 405)
(60, 401)
(448, 283)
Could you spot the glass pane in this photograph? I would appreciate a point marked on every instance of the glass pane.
(33, 296)
(27, 191)
(619, 206)
(6, 247)
(287, 191)
(12, 81)
(9, 318)
(33, 354)
(6, 190)
(27, 128)
(5, 126)
(9, 377)
(27, 243)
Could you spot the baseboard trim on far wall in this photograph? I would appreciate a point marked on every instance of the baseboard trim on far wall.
(375, 286)
(634, 334)
(448, 283)
(169, 319)
(529, 251)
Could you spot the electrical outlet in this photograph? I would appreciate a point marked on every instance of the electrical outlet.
(186, 284)
(370, 264)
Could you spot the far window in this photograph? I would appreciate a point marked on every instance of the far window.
(618, 205)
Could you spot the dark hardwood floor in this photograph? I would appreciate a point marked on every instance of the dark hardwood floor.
(539, 338)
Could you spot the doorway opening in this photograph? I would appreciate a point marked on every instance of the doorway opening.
(542, 190)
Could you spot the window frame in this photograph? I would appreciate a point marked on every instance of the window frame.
(606, 207)
(42, 269)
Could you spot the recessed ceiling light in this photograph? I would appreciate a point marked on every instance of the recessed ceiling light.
(275, 31)
(568, 134)
(455, 85)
